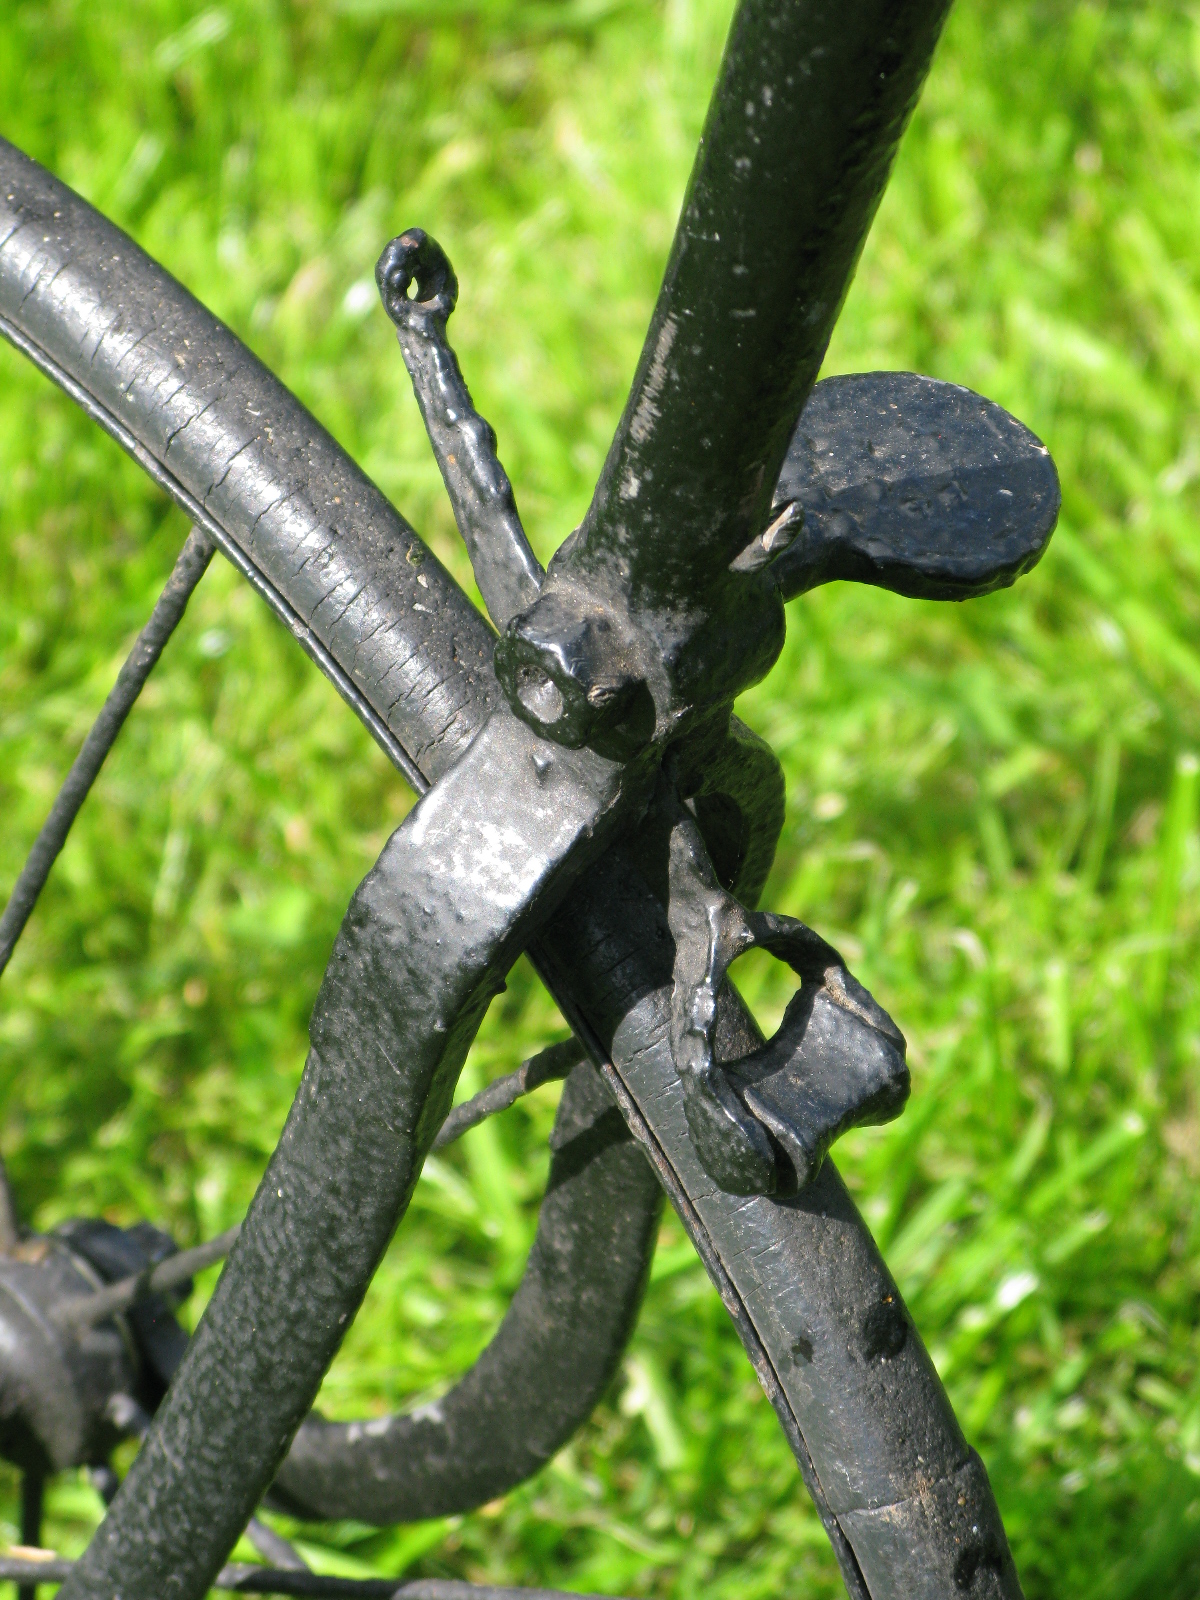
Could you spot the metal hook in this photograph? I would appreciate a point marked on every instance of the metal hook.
(836, 1062)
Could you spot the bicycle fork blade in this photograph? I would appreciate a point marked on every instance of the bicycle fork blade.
(454, 897)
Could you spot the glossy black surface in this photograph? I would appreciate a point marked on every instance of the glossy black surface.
(532, 1387)
(508, 573)
(650, 620)
(801, 132)
(836, 1062)
(424, 947)
(917, 486)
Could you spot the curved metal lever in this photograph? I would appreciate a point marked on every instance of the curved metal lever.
(837, 1061)
(508, 573)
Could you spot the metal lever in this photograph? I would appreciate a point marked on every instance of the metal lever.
(914, 485)
(837, 1061)
(508, 573)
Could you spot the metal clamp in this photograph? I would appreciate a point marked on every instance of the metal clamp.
(762, 1124)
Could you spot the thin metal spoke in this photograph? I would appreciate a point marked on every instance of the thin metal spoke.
(168, 1274)
(245, 1578)
(273, 1547)
(553, 1062)
(191, 566)
(10, 1233)
(33, 1485)
(556, 1061)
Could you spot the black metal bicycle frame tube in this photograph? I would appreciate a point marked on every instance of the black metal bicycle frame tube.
(796, 150)
(907, 1505)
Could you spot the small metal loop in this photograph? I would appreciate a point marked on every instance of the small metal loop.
(411, 258)
(508, 573)
(810, 957)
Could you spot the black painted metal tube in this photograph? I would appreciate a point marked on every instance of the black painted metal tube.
(242, 1578)
(168, 610)
(81, 300)
(423, 948)
(552, 1358)
(905, 1500)
(658, 606)
(797, 147)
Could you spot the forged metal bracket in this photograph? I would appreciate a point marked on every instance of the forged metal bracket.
(892, 479)
(732, 774)
(836, 1062)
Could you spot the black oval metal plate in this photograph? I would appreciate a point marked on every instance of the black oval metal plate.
(914, 485)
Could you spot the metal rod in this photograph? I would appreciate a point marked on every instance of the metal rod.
(193, 561)
(33, 1486)
(553, 1062)
(556, 1061)
(176, 1269)
(273, 1547)
(10, 1234)
(244, 1578)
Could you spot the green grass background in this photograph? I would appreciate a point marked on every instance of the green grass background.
(992, 809)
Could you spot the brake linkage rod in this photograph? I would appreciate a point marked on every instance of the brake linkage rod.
(555, 1061)
(191, 566)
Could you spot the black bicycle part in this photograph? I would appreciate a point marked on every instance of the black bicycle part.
(63, 1399)
(531, 1388)
(242, 1578)
(900, 1517)
(191, 566)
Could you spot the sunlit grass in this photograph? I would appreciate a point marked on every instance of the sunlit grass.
(992, 808)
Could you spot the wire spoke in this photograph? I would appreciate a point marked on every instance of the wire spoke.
(168, 1274)
(274, 1548)
(191, 566)
(246, 1578)
(553, 1062)
(33, 1486)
